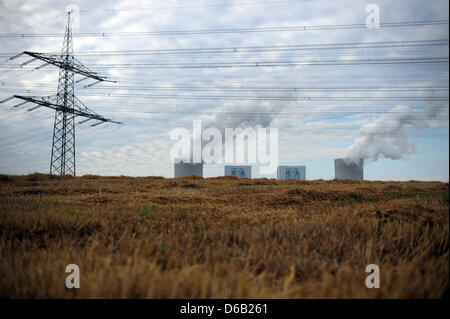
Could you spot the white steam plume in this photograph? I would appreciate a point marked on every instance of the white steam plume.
(387, 135)
(254, 113)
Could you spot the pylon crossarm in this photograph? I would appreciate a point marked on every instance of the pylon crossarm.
(73, 65)
(47, 102)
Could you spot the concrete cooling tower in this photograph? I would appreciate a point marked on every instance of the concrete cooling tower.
(238, 171)
(291, 172)
(345, 168)
(186, 169)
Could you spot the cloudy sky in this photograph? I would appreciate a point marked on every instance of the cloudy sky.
(325, 84)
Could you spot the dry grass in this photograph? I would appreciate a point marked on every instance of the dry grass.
(221, 237)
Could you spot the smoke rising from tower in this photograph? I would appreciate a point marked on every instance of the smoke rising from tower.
(387, 135)
(254, 113)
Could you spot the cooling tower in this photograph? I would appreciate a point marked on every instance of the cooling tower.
(345, 168)
(238, 171)
(186, 169)
(291, 172)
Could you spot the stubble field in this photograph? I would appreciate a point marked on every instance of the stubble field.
(225, 237)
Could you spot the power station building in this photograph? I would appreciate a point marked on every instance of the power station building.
(186, 169)
(291, 172)
(345, 168)
(238, 171)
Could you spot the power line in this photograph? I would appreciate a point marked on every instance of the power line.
(228, 57)
(273, 98)
(236, 49)
(441, 59)
(292, 112)
(283, 77)
(236, 30)
(204, 65)
(126, 56)
(276, 79)
(265, 98)
(236, 108)
(248, 88)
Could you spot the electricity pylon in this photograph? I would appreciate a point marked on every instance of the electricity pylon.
(66, 105)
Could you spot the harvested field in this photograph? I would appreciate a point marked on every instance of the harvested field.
(151, 237)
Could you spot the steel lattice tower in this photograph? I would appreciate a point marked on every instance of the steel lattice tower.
(66, 105)
(63, 147)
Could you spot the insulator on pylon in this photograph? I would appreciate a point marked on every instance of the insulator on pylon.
(97, 124)
(28, 62)
(84, 121)
(86, 86)
(16, 56)
(33, 108)
(80, 80)
(20, 104)
(6, 100)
